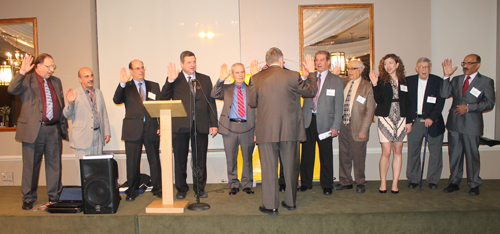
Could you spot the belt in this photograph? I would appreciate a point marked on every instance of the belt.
(419, 116)
(49, 123)
(314, 114)
(96, 128)
(238, 120)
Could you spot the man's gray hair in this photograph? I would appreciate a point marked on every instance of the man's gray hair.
(273, 55)
(235, 65)
(424, 60)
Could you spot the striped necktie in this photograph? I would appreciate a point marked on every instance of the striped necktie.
(49, 104)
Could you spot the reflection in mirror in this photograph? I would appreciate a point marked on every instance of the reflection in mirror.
(18, 38)
(345, 30)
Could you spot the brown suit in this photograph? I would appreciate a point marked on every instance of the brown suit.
(279, 128)
(351, 147)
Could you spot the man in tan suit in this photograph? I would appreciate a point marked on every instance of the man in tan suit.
(280, 125)
(359, 107)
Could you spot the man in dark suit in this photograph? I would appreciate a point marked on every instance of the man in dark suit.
(427, 105)
(41, 126)
(359, 107)
(178, 86)
(139, 128)
(472, 94)
(280, 125)
(237, 122)
(322, 113)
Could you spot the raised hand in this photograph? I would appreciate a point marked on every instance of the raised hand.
(172, 72)
(254, 67)
(224, 72)
(26, 65)
(70, 95)
(336, 68)
(373, 77)
(308, 64)
(448, 69)
(124, 78)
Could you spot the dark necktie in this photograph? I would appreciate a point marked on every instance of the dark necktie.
(466, 85)
(315, 99)
(141, 93)
(347, 106)
(241, 105)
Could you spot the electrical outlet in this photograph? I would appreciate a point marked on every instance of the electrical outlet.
(8, 176)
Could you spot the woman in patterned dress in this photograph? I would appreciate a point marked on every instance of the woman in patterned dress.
(394, 116)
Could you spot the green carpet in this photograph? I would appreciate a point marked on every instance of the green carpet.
(410, 211)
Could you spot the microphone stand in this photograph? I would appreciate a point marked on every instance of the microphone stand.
(198, 206)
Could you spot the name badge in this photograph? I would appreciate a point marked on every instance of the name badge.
(361, 99)
(404, 88)
(475, 92)
(151, 95)
(431, 100)
(330, 92)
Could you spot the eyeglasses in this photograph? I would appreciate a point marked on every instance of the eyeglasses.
(424, 67)
(353, 68)
(51, 66)
(468, 63)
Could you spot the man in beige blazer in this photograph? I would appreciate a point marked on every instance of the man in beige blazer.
(359, 107)
(280, 125)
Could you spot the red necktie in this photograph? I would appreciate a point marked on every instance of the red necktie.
(466, 85)
(241, 105)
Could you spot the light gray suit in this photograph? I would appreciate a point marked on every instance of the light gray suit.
(464, 130)
(352, 149)
(235, 134)
(328, 115)
(279, 128)
(83, 137)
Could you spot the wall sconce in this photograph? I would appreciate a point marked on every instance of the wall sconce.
(5, 74)
(208, 34)
(338, 57)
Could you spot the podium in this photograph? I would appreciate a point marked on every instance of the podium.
(165, 110)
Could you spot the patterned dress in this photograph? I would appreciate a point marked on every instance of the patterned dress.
(392, 127)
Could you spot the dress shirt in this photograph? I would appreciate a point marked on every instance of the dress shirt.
(422, 84)
(353, 91)
(233, 114)
(322, 81)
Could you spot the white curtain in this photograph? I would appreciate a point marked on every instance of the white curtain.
(23, 31)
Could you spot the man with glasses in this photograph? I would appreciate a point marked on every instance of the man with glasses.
(472, 94)
(322, 114)
(41, 126)
(139, 128)
(427, 105)
(359, 108)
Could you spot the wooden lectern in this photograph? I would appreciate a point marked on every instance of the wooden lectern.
(166, 110)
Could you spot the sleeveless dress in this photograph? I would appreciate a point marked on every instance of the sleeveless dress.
(392, 127)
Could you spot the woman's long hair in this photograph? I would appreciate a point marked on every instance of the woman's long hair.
(400, 70)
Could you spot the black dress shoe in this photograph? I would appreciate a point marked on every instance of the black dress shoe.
(342, 187)
(268, 211)
(360, 188)
(131, 197)
(394, 192)
(203, 194)
(287, 206)
(303, 189)
(451, 188)
(327, 191)
(433, 186)
(180, 195)
(27, 205)
(382, 191)
(158, 194)
(248, 190)
(412, 185)
(282, 188)
(234, 191)
(474, 191)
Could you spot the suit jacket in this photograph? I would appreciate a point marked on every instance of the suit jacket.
(383, 97)
(362, 113)
(276, 92)
(471, 122)
(330, 108)
(28, 123)
(430, 110)
(206, 111)
(133, 123)
(83, 120)
(225, 92)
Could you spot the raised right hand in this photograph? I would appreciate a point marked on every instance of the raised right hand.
(448, 69)
(373, 77)
(70, 95)
(172, 73)
(308, 64)
(26, 65)
(124, 78)
(224, 73)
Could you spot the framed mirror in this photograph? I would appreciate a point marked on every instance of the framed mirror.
(345, 30)
(18, 37)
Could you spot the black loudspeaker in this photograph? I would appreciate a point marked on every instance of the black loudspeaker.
(99, 186)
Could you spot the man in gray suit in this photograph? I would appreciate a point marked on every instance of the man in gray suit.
(41, 126)
(89, 116)
(280, 125)
(237, 122)
(322, 114)
(359, 107)
(472, 94)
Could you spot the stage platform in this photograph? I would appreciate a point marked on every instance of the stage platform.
(410, 211)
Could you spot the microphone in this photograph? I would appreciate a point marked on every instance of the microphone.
(193, 79)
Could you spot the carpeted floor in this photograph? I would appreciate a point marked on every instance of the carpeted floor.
(410, 211)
